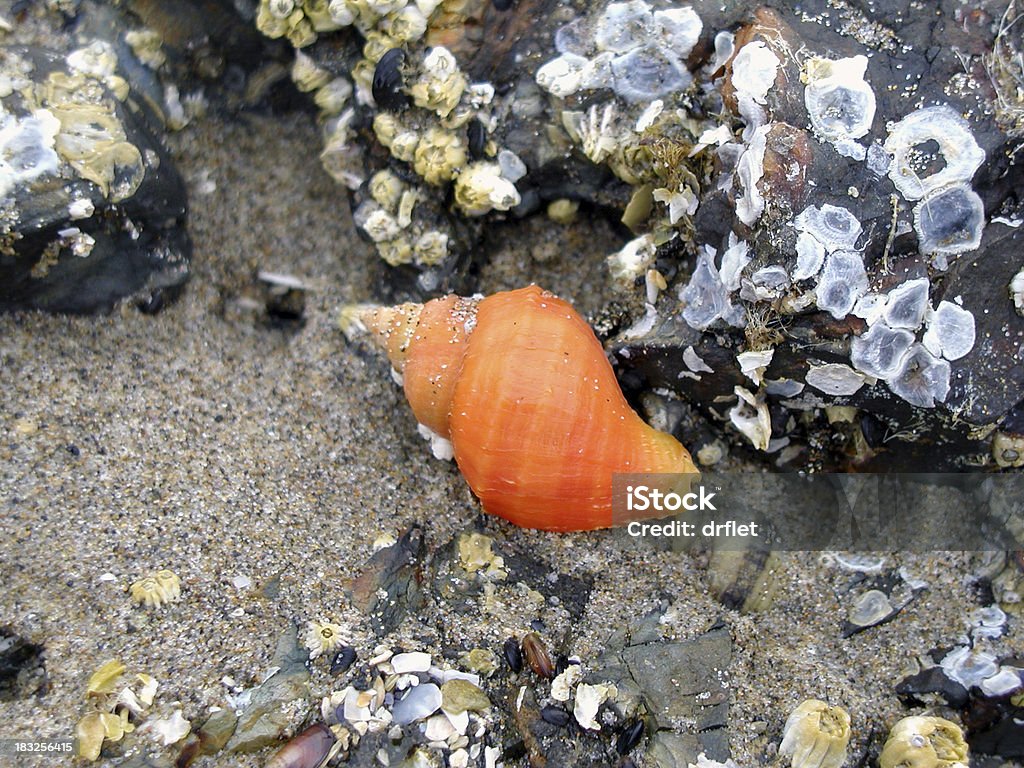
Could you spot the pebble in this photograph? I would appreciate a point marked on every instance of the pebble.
(458, 696)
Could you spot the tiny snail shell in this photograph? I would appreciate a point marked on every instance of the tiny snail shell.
(520, 386)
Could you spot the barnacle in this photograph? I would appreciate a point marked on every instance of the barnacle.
(378, 224)
(439, 156)
(880, 351)
(306, 75)
(322, 637)
(840, 103)
(158, 589)
(623, 26)
(924, 742)
(646, 73)
(907, 303)
(949, 221)
(749, 170)
(386, 188)
(563, 75)
(1016, 289)
(431, 248)
(480, 188)
(843, 280)
(922, 378)
(1008, 450)
(810, 256)
(831, 225)
(406, 25)
(441, 84)
(596, 132)
(26, 148)
(950, 331)
(332, 97)
(816, 735)
(961, 155)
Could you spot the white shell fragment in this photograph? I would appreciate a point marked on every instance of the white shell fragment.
(870, 307)
(951, 331)
(750, 169)
(562, 76)
(1005, 681)
(753, 74)
(646, 73)
(695, 362)
(414, 661)
(949, 221)
(907, 304)
(422, 701)
(840, 102)
(754, 364)
(816, 736)
(835, 379)
(843, 280)
(679, 29)
(961, 155)
(589, 699)
(27, 148)
(706, 297)
(922, 379)
(831, 225)
(751, 417)
(168, 730)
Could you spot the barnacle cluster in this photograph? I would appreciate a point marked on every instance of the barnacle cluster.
(927, 742)
(157, 589)
(628, 47)
(949, 217)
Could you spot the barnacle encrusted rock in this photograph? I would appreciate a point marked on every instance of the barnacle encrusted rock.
(91, 208)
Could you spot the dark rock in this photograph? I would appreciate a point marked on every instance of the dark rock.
(22, 667)
(126, 236)
(389, 588)
(932, 680)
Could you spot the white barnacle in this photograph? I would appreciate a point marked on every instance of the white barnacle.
(840, 102)
(378, 224)
(439, 155)
(386, 188)
(624, 26)
(750, 416)
(594, 131)
(632, 260)
(922, 378)
(831, 225)
(906, 304)
(816, 735)
(950, 331)
(881, 350)
(961, 155)
(27, 148)
(563, 75)
(480, 188)
(322, 637)
(1016, 289)
(441, 84)
(835, 378)
(646, 73)
(156, 590)
(679, 29)
(843, 280)
(431, 248)
(949, 221)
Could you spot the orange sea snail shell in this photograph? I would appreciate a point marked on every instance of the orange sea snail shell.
(520, 385)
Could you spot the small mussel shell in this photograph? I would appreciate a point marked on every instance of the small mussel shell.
(537, 657)
(307, 750)
(343, 659)
(555, 716)
(513, 655)
(629, 737)
(476, 133)
(387, 81)
(503, 5)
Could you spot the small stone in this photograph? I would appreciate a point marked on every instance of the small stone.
(217, 730)
(480, 660)
(459, 696)
(415, 661)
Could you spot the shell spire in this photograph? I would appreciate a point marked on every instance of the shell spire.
(520, 385)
